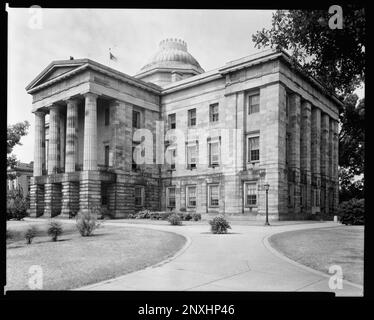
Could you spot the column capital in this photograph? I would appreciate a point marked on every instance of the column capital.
(71, 100)
(53, 107)
(90, 95)
(39, 113)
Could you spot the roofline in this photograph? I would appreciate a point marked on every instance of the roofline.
(89, 64)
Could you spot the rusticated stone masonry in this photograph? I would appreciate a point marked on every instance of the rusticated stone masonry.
(70, 198)
(52, 199)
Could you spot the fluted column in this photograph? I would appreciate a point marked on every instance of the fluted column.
(305, 152)
(335, 161)
(39, 144)
(54, 140)
(90, 132)
(295, 110)
(316, 149)
(325, 126)
(62, 140)
(71, 135)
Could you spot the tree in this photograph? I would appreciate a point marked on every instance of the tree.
(335, 57)
(14, 134)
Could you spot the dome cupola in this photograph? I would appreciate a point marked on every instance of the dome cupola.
(172, 62)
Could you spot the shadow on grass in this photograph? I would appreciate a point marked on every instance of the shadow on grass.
(228, 233)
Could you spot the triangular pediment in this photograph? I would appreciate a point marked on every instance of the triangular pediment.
(55, 70)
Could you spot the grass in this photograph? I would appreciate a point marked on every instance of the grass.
(322, 248)
(74, 261)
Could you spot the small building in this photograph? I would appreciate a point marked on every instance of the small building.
(22, 174)
(207, 141)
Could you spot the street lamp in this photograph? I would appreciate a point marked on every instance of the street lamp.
(266, 187)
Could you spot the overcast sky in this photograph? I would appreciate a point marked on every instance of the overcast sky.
(213, 37)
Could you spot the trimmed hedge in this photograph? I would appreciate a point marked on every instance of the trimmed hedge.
(164, 215)
(352, 212)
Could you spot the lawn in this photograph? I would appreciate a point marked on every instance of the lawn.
(74, 261)
(322, 248)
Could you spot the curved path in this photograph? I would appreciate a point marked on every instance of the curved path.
(239, 261)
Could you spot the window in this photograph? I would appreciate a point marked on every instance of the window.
(316, 197)
(192, 117)
(136, 119)
(251, 194)
(253, 149)
(134, 165)
(191, 196)
(171, 158)
(106, 156)
(253, 103)
(191, 156)
(214, 195)
(214, 154)
(106, 116)
(213, 112)
(171, 197)
(172, 121)
(138, 195)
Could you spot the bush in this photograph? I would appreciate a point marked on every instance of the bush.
(30, 234)
(196, 216)
(54, 230)
(175, 219)
(352, 212)
(187, 216)
(9, 234)
(87, 222)
(219, 224)
(17, 205)
(182, 209)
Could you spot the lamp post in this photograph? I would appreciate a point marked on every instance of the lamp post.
(266, 187)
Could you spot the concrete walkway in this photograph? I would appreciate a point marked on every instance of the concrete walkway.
(239, 261)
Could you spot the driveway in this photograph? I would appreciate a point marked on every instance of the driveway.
(239, 261)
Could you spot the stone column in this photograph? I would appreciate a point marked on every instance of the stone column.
(39, 144)
(325, 124)
(335, 161)
(54, 140)
(71, 135)
(294, 103)
(316, 148)
(62, 141)
(305, 153)
(90, 132)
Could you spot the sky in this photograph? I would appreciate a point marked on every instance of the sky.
(214, 37)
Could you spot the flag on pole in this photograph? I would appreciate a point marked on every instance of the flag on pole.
(112, 56)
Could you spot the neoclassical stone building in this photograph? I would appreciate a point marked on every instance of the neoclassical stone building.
(283, 130)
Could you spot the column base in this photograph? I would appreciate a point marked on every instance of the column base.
(36, 200)
(70, 199)
(53, 197)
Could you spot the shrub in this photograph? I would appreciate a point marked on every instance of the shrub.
(54, 230)
(30, 234)
(175, 219)
(196, 216)
(87, 222)
(352, 212)
(105, 213)
(219, 224)
(182, 209)
(187, 216)
(17, 205)
(9, 234)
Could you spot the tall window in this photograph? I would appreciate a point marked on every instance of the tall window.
(191, 156)
(191, 196)
(136, 119)
(106, 156)
(134, 165)
(213, 112)
(316, 198)
(172, 121)
(171, 158)
(214, 154)
(253, 103)
(106, 116)
(170, 194)
(253, 149)
(251, 194)
(139, 196)
(214, 195)
(192, 117)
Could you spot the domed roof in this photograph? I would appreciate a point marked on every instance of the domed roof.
(173, 54)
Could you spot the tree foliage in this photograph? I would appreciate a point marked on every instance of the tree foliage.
(336, 57)
(14, 134)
